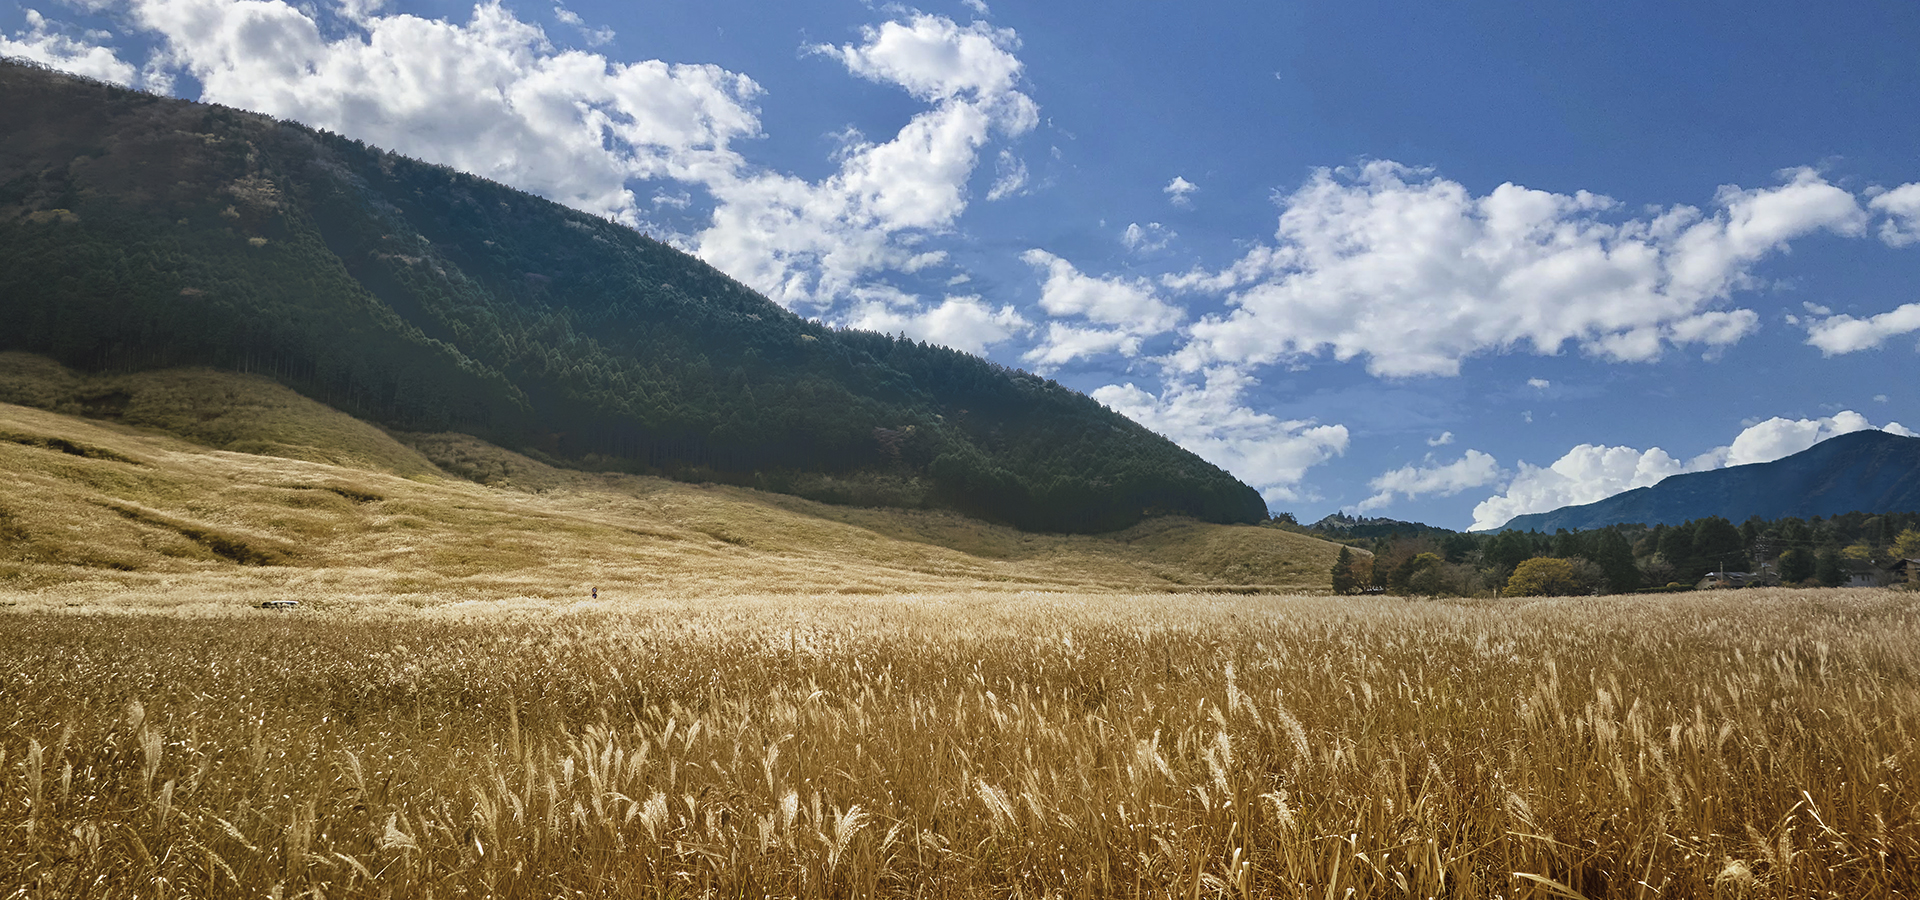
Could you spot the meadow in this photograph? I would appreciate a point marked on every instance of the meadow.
(1756, 743)
(180, 486)
(509, 680)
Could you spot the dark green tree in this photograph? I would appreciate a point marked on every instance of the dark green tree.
(1794, 531)
(1567, 544)
(1401, 581)
(1615, 558)
(1344, 581)
(1717, 544)
(1649, 543)
(1829, 568)
(1752, 529)
(1796, 565)
(1507, 550)
(1677, 546)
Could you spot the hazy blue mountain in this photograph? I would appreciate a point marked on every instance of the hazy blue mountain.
(1867, 471)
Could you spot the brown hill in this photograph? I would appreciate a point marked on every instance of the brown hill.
(118, 492)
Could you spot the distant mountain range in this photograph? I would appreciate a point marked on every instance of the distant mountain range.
(140, 233)
(1866, 471)
(1342, 525)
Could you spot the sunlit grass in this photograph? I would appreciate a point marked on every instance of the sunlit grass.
(90, 500)
(777, 698)
(1750, 744)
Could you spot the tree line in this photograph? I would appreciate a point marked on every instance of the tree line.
(1404, 558)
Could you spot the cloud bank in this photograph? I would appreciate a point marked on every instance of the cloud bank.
(1473, 469)
(1414, 274)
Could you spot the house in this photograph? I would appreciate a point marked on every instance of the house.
(1736, 580)
(1864, 573)
(1904, 571)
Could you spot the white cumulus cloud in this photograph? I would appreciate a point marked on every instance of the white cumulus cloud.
(1180, 191)
(1063, 343)
(593, 36)
(1473, 469)
(1415, 274)
(1840, 334)
(1130, 309)
(1146, 238)
(1211, 419)
(1585, 474)
(1779, 437)
(965, 323)
(44, 43)
(491, 96)
(807, 243)
(935, 58)
(1902, 209)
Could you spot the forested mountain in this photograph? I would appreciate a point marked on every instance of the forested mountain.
(1866, 471)
(140, 232)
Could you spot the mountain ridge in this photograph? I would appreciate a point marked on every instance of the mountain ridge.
(145, 233)
(1870, 471)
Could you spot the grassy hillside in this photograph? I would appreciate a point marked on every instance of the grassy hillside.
(224, 411)
(143, 233)
(341, 512)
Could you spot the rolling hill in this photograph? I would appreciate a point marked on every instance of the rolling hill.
(141, 233)
(1870, 471)
(325, 508)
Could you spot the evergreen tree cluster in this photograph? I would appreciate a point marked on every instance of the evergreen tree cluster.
(142, 232)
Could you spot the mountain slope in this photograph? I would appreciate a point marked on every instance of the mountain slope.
(1869, 471)
(96, 512)
(139, 232)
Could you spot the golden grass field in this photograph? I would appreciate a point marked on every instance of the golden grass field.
(976, 744)
(773, 698)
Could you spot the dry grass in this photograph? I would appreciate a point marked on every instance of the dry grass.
(1002, 714)
(95, 512)
(1750, 744)
(220, 410)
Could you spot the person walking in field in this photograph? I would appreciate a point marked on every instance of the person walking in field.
(596, 593)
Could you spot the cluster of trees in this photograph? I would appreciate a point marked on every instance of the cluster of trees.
(1427, 561)
(146, 232)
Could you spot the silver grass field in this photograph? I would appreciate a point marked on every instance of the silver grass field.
(1756, 743)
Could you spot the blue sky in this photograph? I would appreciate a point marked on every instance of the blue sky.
(1439, 262)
